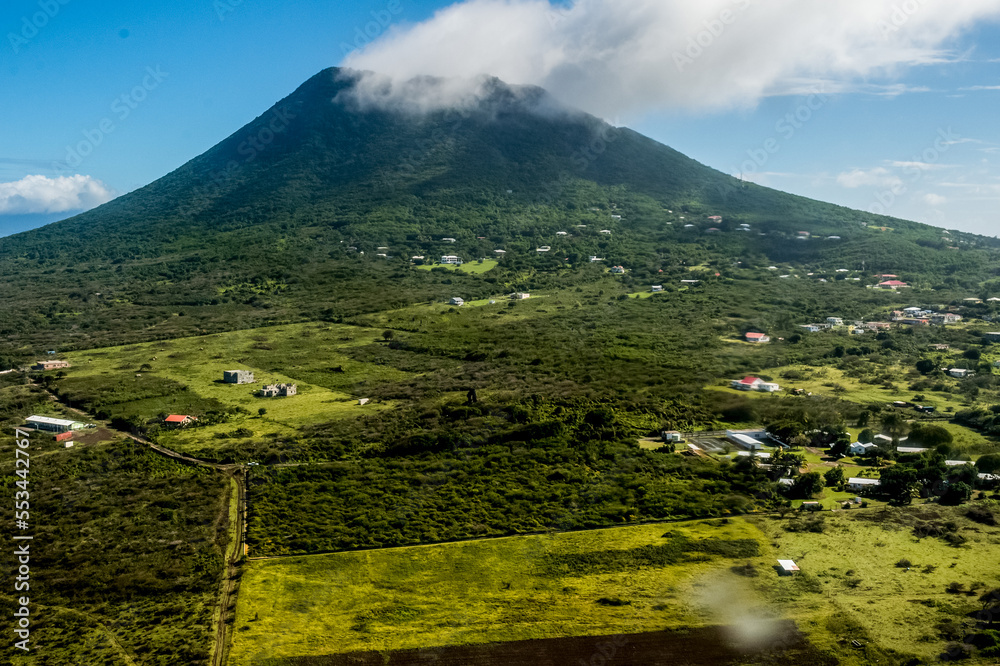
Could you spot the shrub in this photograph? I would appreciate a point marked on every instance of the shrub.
(904, 564)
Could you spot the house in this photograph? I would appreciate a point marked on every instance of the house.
(49, 424)
(882, 439)
(762, 455)
(811, 328)
(835, 321)
(278, 390)
(833, 237)
(860, 449)
(562, 233)
(616, 217)
(50, 365)
(992, 336)
(671, 436)
(69, 444)
(690, 281)
(959, 373)
(941, 347)
(957, 463)
(788, 567)
(910, 449)
(456, 301)
(618, 270)
(500, 252)
(751, 440)
(892, 284)
(237, 377)
(754, 384)
(451, 260)
(716, 218)
(63, 436)
(605, 231)
(857, 484)
(363, 401)
(178, 420)
(878, 325)
(656, 288)
(448, 240)
(520, 296)
(594, 259)
(418, 257)
(757, 337)
(945, 318)
(712, 230)
(543, 248)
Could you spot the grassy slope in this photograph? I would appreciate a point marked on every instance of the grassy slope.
(457, 593)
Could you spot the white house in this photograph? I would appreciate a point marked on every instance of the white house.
(754, 384)
(857, 484)
(500, 251)
(49, 424)
(671, 436)
(456, 301)
(860, 449)
(618, 270)
(811, 328)
(788, 567)
(448, 240)
(543, 248)
(451, 259)
(751, 440)
(959, 373)
(562, 233)
(910, 449)
(835, 321)
(656, 288)
(520, 296)
(594, 259)
(605, 231)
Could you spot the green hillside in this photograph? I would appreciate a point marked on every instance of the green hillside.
(283, 221)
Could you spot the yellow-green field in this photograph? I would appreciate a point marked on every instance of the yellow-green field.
(473, 267)
(496, 590)
(303, 354)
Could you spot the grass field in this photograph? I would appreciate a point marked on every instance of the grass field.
(463, 593)
(313, 356)
(472, 267)
(499, 590)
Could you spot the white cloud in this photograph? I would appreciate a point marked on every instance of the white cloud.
(620, 56)
(878, 177)
(40, 194)
(920, 166)
(981, 88)
(935, 200)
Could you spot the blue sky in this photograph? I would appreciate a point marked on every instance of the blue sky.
(116, 94)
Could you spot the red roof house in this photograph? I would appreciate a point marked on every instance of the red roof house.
(63, 436)
(178, 419)
(757, 337)
(892, 284)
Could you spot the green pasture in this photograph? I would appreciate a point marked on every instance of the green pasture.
(471, 592)
(474, 267)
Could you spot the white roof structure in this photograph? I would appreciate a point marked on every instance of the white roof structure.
(911, 449)
(957, 463)
(788, 565)
(857, 481)
(48, 420)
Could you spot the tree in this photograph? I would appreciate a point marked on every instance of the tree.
(839, 448)
(807, 485)
(956, 493)
(834, 476)
(261, 411)
(989, 463)
(894, 424)
(388, 335)
(929, 435)
(972, 354)
(925, 366)
(866, 436)
(898, 482)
